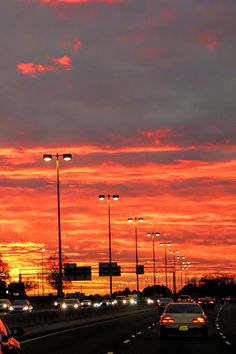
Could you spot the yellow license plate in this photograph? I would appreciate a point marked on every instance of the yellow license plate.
(183, 328)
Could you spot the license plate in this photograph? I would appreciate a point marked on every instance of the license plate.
(183, 328)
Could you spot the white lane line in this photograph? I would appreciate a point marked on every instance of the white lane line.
(133, 335)
(126, 341)
(149, 327)
(227, 342)
(223, 337)
(139, 333)
(221, 334)
(110, 353)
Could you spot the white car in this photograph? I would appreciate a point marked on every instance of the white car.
(5, 305)
(183, 318)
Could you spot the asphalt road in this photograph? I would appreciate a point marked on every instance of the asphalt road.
(136, 334)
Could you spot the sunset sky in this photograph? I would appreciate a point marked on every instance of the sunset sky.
(142, 94)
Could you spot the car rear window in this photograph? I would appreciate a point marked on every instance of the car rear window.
(186, 308)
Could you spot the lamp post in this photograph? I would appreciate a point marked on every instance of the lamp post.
(174, 252)
(154, 236)
(43, 250)
(109, 197)
(165, 245)
(181, 262)
(136, 220)
(66, 157)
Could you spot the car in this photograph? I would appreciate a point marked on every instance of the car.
(70, 304)
(8, 343)
(206, 303)
(86, 303)
(185, 298)
(22, 305)
(162, 302)
(57, 304)
(121, 300)
(183, 318)
(5, 305)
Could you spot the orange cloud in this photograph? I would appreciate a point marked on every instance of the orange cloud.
(34, 69)
(63, 63)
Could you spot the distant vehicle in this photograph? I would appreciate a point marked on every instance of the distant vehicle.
(5, 305)
(86, 303)
(206, 303)
(22, 306)
(185, 298)
(162, 302)
(105, 302)
(57, 304)
(70, 304)
(8, 344)
(148, 301)
(183, 318)
(133, 299)
(121, 300)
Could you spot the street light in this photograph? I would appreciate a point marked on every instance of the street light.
(174, 252)
(165, 244)
(66, 157)
(136, 220)
(181, 262)
(109, 197)
(43, 250)
(154, 236)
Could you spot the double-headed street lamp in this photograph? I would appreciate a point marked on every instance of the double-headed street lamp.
(109, 197)
(154, 236)
(181, 260)
(66, 157)
(136, 220)
(165, 245)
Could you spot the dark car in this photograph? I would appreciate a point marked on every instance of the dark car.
(8, 344)
(207, 303)
(162, 302)
(185, 298)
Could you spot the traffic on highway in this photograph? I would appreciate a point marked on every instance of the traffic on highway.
(122, 328)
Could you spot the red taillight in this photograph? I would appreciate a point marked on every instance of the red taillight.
(211, 302)
(167, 319)
(199, 319)
(199, 302)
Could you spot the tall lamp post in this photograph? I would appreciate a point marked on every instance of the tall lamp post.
(165, 245)
(66, 157)
(109, 197)
(136, 220)
(154, 236)
(181, 262)
(174, 252)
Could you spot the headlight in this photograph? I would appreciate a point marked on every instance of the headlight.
(4, 306)
(11, 308)
(26, 308)
(64, 306)
(76, 306)
(124, 301)
(55, 303)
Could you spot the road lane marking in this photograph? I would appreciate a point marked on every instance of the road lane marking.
(149, 327)
(221, 334)
(139, 333)
(110, 353)
(227, 342)
(126, 341)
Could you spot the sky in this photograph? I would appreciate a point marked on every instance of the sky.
(142, 94)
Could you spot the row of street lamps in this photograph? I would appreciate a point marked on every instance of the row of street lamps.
(135, 220)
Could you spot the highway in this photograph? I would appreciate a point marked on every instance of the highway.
(137, 334)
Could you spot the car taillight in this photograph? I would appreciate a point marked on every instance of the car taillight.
(199, 319)
(211, 302)
(167, 319)
(199, 302)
